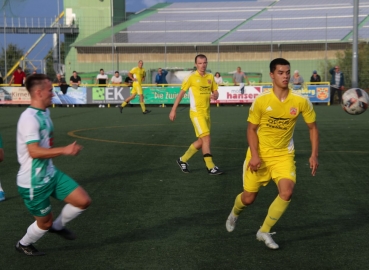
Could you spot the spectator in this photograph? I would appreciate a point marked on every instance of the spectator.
(116, 79)
(75, 80)
(239, 79)
(1, 80)
(60, 81)
(161, 77)
(218, 79)
(19, 77)
(102, 78)
(128, 81)
(337, 83)
(315, 77)
(296, 79)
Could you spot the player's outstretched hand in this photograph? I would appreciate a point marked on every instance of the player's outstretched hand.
(314, 164)
(172, 115)
(73, 149)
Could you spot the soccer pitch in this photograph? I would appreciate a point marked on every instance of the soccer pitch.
(147, 214)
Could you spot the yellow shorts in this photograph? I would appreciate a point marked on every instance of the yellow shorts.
(136, 88)
(275, 169)
(201, 124)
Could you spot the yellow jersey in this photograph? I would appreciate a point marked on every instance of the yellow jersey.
(276, 121)
(138, 73)
(200, 89)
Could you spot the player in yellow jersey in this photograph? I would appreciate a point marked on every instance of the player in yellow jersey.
(202, 88)
(271, 122)
(137, 75)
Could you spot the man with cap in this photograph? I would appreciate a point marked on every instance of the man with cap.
(315, 77)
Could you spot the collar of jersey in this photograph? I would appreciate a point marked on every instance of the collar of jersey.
(37, 109)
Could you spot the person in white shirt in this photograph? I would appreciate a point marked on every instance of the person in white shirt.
(218, 79)
(116, 79)
(102, 78)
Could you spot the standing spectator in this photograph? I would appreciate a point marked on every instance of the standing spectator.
(315, 77)
(102, 79)
(75, 80)
(38, 179)
(161, 77)
(60, 81)
(2, 194)
(137, 75)
(218, 79)
(296, 79)
(19, 77)
(116, 79)
(239, 79)
(337, 83)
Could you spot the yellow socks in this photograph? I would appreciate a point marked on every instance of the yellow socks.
(209, 161)
(124, 104)
(189, 153)
(238, 205)
(143, 106)
(275, 211)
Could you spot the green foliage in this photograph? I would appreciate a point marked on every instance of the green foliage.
(13, 55)
(50, 61)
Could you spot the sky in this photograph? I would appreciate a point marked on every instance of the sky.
(49, 9)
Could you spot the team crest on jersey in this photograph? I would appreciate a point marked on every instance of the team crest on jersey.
(293, 111)
(209, 81)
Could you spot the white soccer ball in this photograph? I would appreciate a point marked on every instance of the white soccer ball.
(355, 101)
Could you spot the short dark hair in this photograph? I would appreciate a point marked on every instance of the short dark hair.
(35, 80)
(19, 67)
(101, 69)
(74, 71)
(216, 74)
(278, 61)
(200, 56)
(116, 71)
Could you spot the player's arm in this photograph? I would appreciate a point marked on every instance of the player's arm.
(11, 80)
(253, 141)
(36, 151)
(314, 139)
(130, 75)
(172, 115)
(247, 79)
(79, 82)
(214, 95)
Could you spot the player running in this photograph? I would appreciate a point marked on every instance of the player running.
(38, 178)
(137, 75)
(271, 122)
(201, 87)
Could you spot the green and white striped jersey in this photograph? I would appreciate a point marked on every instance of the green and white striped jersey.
(34, 126)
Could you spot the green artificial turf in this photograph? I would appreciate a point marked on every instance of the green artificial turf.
(147, 214)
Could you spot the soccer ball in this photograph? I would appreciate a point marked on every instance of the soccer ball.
(355, 101)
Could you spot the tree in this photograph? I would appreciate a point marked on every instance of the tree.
(13, 55)
(49, 59)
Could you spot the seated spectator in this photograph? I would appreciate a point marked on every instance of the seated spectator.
(102, 78)
(19, 77)
(218, 79)
(296, 79)
(60, 81)
(315, 77)
(128, 81)
(161, 77)
(116, 79)
(75, 80)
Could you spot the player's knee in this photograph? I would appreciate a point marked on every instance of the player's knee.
(85, 203)
(248, 197)
(286, 195)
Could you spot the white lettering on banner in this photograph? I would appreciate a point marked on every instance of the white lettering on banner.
(232, 94)
(158, 95)
(114, 93)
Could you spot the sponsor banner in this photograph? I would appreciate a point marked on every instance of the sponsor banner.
(315, 93)
(162, 95)
(107, 95)
(14, 95)
(237, 94)
(72, 96)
